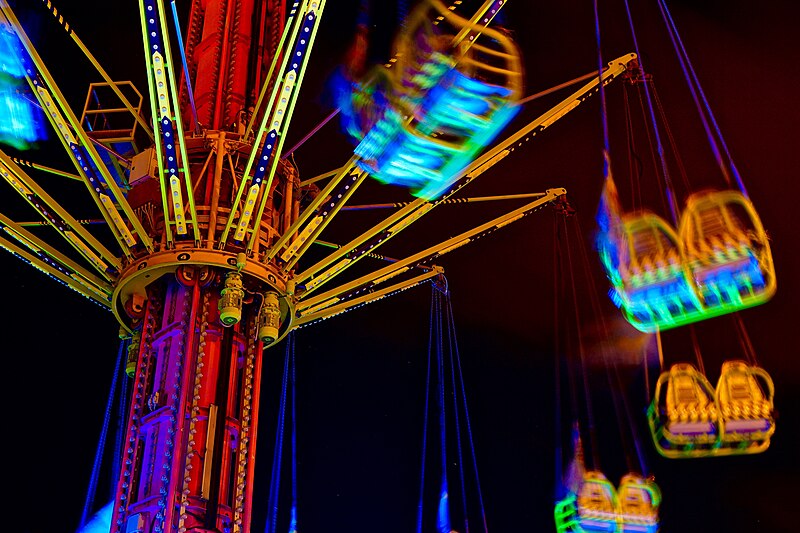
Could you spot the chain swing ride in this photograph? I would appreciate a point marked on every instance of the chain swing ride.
(206, 259)
(203, 260)
(717, 262)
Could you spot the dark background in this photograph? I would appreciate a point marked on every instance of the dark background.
(361, 375)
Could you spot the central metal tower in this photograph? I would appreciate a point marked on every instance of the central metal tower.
(200, 305)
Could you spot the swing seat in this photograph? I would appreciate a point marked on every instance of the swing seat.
(747, 416)
(446, 103)
(651, 284)
(683, 416)
(726, 251)
(639, 500)
(597, 503)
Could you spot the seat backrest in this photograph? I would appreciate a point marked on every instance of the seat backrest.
(687, 388)
(597, 493)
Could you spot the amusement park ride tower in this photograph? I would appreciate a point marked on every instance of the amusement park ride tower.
(211, 222)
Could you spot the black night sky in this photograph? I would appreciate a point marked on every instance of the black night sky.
(361, 376)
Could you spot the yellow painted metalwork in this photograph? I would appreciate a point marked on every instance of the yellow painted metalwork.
(59, 105)
(336, 204)
(43, 168)
(390, 225)
(87, 244)
(332, 271)
(431, 252)
(180, 140)
(99, 296)
(114, 86)
(86, 251)
(316, 8)
(68, 120)
(248, 208)
(39, 247)
(287, 29)
(113, 214)
(276, 117)
(328, 308)
(310, 209)
(154, 114)
(419, 207)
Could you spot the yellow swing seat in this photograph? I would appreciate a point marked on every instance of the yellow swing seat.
(747, 411)
(683, 416)
(597, 503)
(639, 499)
(726, 252)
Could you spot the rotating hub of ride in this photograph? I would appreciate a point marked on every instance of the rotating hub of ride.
(236, 285)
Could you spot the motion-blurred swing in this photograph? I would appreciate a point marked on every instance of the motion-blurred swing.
(451, 87)
(717, 261)
(690, 418)
(586, 500)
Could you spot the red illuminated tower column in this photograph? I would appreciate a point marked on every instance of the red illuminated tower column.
(201, 310)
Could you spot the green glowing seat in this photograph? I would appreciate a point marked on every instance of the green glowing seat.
(683, 416)
(598, 507)
(747, 419)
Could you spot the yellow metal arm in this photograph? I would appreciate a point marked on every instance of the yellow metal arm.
(53, 257)
(379, 276)
(170, 142)
(335, 306)
(57, 217)
(334, 206)
(71, 32)
(72, 135)
(98, 294)
(306, 223)
(390, 227)
(263, 161)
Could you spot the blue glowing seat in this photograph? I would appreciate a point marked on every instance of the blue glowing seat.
(747, 418)
(718, 262)
(650, 283)
(683, 415)
(447, 98)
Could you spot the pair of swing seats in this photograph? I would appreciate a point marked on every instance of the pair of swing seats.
(688, 418)
(718, 262)
(445, 97)
(599, 507)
